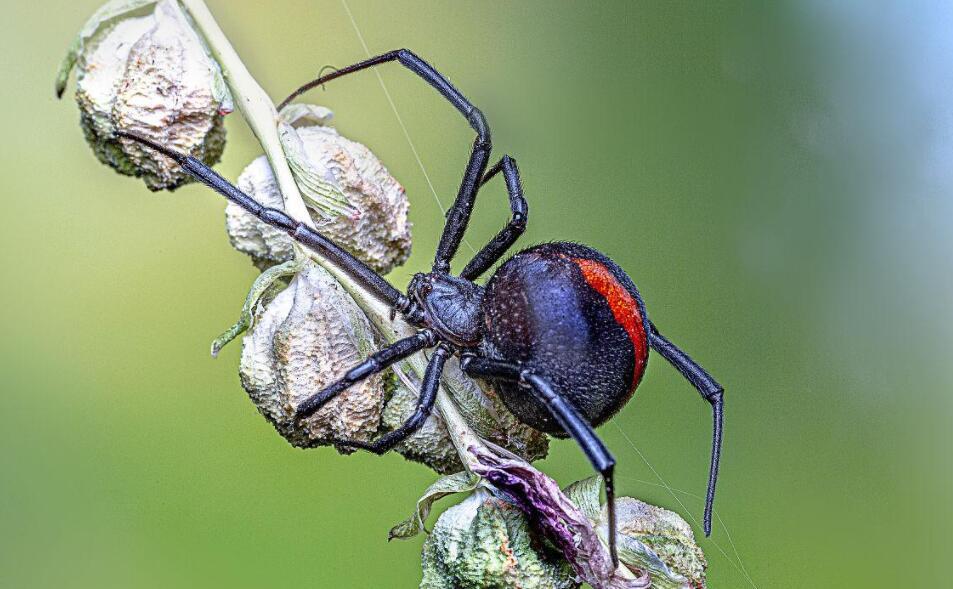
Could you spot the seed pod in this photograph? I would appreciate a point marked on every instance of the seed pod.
(147, 74)
(490, 419)
(430, 444)
(649, 534)
(485, 541)
(306, 337)
(351, 196)
(651, 540)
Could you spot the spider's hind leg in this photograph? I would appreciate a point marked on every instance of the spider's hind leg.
(519, 212)
(712, 392)
(568, 418)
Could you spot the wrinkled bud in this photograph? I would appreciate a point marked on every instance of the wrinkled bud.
(303, 339)
(351, 196)
(485, 541)
(308, 336)
(147, 73)
(265, 244)
(660, 542)
(651, 540)
(490, 419)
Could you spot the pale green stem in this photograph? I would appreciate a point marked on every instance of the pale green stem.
(253, 102)
(260, 114)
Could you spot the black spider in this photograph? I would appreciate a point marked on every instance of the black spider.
(559, 329)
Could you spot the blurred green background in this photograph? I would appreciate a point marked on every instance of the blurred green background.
(774, 176)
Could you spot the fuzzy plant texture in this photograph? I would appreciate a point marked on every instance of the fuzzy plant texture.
(164, 70)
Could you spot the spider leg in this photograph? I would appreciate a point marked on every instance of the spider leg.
(568, 418)
(711, 391)
(459, 214)
(425, 403)
(375, 363)
(498, 246)
(360, 272)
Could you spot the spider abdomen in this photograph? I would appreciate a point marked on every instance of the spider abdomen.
(567, 311)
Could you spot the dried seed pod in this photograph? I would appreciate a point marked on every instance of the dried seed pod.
(149, 75)
(304, 338)
(485, 541)
(309, 334)
(487, 415)
(351, 196)
(266, 245)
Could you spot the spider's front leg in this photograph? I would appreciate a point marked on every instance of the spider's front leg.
(376, 362)
(458, 217)
(519, 212)
(356, 269)
(425, 405)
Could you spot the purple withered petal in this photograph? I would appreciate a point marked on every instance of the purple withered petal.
(555, 516)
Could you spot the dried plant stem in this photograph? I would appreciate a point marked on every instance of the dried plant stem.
(259, 112)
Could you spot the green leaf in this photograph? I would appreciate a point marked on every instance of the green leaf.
(635, 553)
(306, 115)
(586, 495)
(265, 281)
(325, 197)
(106, 14)
(460, 482)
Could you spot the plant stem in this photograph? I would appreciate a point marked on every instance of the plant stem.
(262, 117)
(254, 104)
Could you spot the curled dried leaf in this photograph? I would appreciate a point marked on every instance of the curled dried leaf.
(299, 114)
(551, 513)
(459, 482)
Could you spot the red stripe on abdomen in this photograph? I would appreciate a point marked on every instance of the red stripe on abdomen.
(624, 308)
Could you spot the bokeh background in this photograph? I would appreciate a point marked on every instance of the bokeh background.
(776, 177)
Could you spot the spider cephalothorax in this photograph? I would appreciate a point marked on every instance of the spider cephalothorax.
(559, 329)
(451, 306)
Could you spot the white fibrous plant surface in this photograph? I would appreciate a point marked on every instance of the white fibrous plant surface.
(310, 333)
(304, 339)
(151, 75)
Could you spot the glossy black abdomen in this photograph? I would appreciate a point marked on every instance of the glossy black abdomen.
(571, 315)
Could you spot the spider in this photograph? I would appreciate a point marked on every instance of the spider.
(559, 329)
